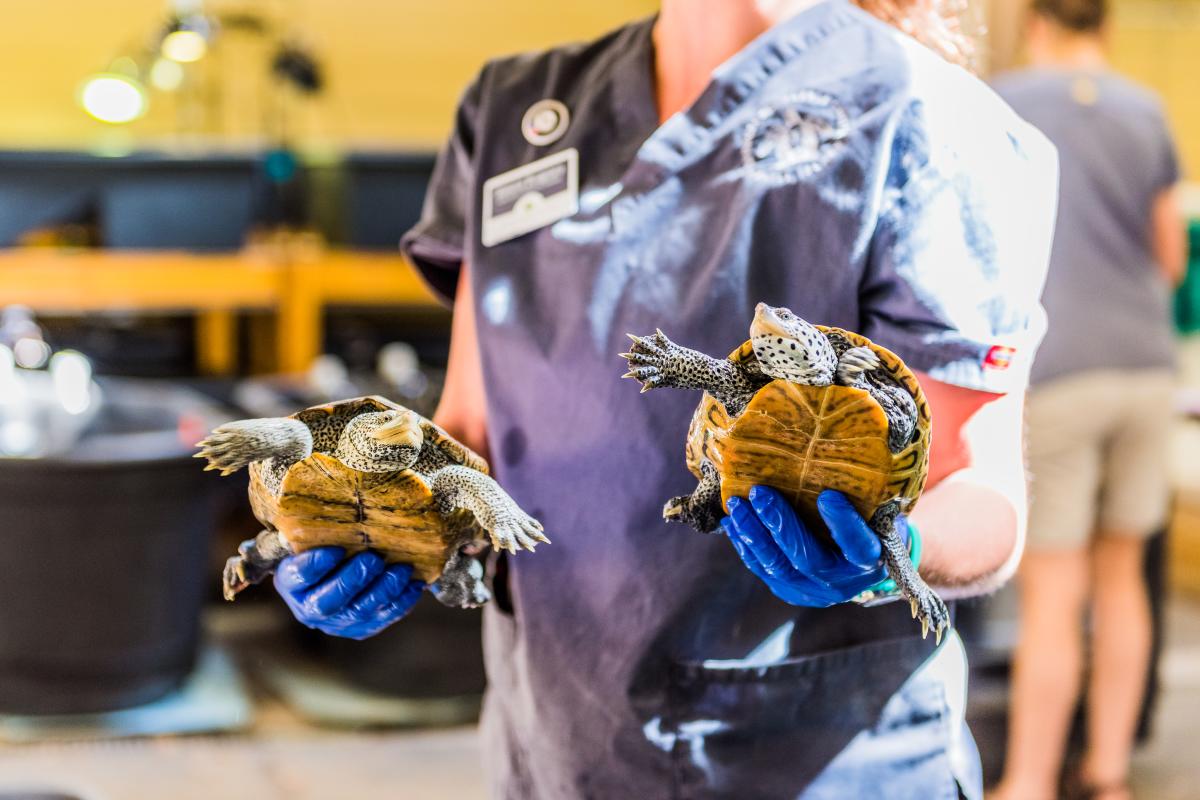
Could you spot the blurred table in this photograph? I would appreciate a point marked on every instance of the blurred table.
(292, 277)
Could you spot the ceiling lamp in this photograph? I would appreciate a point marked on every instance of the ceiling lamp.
(114, 98)
(184, 46)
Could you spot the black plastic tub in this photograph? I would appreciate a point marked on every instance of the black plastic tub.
(434, 653)
(103, 565)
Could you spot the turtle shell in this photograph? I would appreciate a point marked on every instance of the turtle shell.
(321, 501)
(802, 439)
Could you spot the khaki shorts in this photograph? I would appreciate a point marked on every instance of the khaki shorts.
(1098, 456)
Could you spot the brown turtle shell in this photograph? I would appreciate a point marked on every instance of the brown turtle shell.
(802, 439)
(323, 502)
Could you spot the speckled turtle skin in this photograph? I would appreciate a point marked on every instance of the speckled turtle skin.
(802, 408)
(369, 473)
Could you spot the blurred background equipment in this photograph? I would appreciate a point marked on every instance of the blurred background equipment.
(106, 531)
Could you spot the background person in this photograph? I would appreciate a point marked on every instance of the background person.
(1101, 406)
(805, 154)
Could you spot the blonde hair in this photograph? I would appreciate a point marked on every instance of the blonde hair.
(937, 24)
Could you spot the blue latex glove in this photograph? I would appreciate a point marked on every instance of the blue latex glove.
(355, 598)
(798, 567)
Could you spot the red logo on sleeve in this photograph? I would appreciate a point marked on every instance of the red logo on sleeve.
(999, 357)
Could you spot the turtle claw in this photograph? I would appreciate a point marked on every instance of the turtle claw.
(225, 450)
(239, 574)
(932, 613)
(518, 533)
(651, 360)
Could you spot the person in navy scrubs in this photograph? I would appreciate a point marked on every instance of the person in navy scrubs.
(673, 174)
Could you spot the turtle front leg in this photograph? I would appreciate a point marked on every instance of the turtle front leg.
(926, 605)
(461, 583)
(457, 487)
(256, 559)
(861, 368)
(236, 444)
(657, 362)
(702, 508)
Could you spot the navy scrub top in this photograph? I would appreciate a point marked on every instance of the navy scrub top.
(833, 166)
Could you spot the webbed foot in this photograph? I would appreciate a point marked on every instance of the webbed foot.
(237, 444)
(239, 574)
(854, 362)
(515, 531)
(926, 605)
(225, 450)
(930, 610)
(255, 561)
(461, 583)
(654, 361)
(702, 508)
(506, 523)
(684, 509)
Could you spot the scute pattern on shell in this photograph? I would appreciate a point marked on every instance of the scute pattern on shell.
(801, 439)
(319, 501)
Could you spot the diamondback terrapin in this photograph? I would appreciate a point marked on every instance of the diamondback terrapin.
(802, 408)
(368, 473)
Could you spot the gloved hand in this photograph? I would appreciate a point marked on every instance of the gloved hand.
(355, 599)
(798, 567)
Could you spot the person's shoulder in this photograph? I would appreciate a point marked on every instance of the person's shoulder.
(574, 63)
(1026, 84)
(1130, 96)
(955, 114)
(898, 75)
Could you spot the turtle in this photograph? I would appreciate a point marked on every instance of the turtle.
(369, 473)
(802, 408)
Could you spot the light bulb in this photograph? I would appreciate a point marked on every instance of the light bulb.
(31, 353)
(166, 75)
(184, 46)
(113, 98)
(72, 376)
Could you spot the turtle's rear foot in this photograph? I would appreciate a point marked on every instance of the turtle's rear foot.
(926, 605)
(461, 583)
(239, 574)
(255, 561)
(684, 509)
(702, 508)
(930, 610)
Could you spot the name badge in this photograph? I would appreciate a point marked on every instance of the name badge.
(530, 197)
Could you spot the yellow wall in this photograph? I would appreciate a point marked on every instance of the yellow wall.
(1157, 42)
(394, 67)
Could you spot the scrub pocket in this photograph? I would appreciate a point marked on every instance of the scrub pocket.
(863, 722)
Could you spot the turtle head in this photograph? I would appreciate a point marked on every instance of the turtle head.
(381, 441)
(789, 348)
(397, 429)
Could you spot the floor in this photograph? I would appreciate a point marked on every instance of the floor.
(283, 759)
(1167, 768)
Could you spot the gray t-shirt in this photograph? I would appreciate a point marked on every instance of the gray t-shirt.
(1105, 298)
